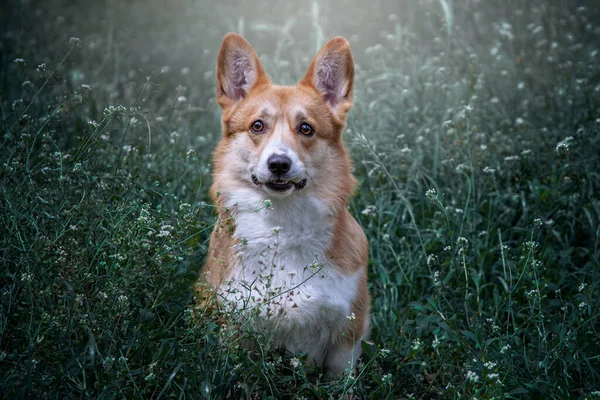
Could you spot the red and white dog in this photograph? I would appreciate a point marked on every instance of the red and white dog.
(285, 251)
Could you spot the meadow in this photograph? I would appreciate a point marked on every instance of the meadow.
(475, 137)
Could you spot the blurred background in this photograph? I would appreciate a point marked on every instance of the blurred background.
(475, 136)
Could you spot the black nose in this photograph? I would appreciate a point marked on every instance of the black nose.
(279, 164)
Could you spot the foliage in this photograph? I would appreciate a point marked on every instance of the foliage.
(475, 137)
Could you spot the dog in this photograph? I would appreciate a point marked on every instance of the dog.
(285, 254)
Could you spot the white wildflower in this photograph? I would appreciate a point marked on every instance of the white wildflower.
(472, 377)
(431, 194)
(562, 148)
(416, 344)
(490, 365)
(462, 241)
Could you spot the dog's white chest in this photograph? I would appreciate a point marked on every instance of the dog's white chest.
(281, 272)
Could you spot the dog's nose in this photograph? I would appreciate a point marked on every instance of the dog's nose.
(279, 164)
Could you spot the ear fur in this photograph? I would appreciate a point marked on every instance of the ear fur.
(331, 73)
(238, 70)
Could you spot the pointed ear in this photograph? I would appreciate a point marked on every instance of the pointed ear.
(331, 73)
(238, 70)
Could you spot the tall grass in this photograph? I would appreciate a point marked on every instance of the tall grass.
(475, 137)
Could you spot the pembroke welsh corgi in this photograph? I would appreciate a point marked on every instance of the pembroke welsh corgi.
(285, 253)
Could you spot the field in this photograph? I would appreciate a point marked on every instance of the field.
(475, 137)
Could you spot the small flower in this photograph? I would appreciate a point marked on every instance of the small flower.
(20, 62)
(115, 110)
(27, 84)
(384, 352)
(181, 99)
(432, 260)
(165, 231)
(537, 222)
(526, 152)
(472, 377)
(531, 245)
(128, 148)
(295, 362)
(494, 376)
(431, 194)
(583, 306)
(75, 42)
(316, 267)
(351, 317)
(41, 67)
(268, 204)
(461, 241)
(435, 343)
(582, 287)
(416, 344)
(490, 365)
(562, 148)
(436, 279)
(505, 348)
(369, 210)
(462, 168)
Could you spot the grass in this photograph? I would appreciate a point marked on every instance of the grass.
(475, 137)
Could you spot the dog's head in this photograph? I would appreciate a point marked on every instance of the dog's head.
(284, 139)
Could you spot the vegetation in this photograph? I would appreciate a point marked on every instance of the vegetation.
(475, 137)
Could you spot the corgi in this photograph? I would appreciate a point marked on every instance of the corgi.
(286, 255)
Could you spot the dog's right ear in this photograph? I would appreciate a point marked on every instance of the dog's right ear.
(238, 70)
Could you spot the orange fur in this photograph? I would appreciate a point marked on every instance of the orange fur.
(322, 99)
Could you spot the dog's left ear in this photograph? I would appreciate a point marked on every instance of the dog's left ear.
(238, 70)
(331, 73)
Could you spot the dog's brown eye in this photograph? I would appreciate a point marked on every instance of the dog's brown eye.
(306, 129)
(257, 126)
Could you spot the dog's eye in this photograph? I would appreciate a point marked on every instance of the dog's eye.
(306, 129)
(257, 126)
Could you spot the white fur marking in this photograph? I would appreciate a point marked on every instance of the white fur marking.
(282, 273)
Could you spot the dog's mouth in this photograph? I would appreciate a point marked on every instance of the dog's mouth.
(280, 185)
